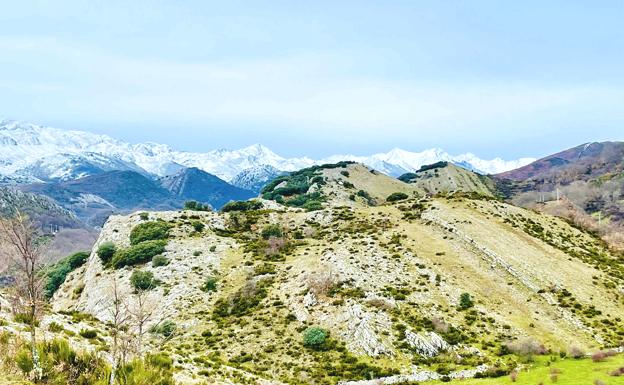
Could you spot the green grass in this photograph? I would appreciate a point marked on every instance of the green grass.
(572, 372)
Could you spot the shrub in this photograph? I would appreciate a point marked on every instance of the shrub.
(24, 361)
(526, 347)
(315, 337)
(465, 301)
(160, 260)
(198, 226)
(210, 284)
(196, 206)
(576, 352)
(242, 206)
(24, 318)
(407, 177)
(144, 216)
(602, 355)
(106, 252)
(272, 231)
(58, 273)
(166, 329)
(142, 280)
(440, 164)
(88, 333)
(397, 196)
(141, 253)
(617, 372)
(244, 301)
(364, 194)
(149, 231)
(140, 372)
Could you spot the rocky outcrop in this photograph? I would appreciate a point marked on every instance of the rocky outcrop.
(428, 345)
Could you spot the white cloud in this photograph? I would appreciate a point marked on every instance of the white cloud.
(301, 91)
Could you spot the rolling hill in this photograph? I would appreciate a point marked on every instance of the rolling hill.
(345, 274)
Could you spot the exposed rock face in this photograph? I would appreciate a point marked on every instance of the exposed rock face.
(361, 329)
(428, 345)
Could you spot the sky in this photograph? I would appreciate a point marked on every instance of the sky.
(496, 78)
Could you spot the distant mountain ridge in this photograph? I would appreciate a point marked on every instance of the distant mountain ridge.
(94, 198)
(31, 153)
(198, 185)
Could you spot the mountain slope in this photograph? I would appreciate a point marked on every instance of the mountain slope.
(256, 178)
(386, 280)
(44, 211)
(444, 177)
(583, 162)
(195, 184)
(95, 197)
(68, 234)
(584, 184)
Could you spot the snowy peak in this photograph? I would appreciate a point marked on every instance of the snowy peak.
(29, 152)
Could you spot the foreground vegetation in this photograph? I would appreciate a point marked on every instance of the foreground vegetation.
(60, 364)
(553, 370)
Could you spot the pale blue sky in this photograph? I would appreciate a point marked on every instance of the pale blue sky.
(497, 78)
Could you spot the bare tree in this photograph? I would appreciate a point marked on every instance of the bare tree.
(117, 308)
(23, 248)
(141, 311)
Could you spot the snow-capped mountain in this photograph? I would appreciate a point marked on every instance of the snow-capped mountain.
(31, 153)
(255, 178)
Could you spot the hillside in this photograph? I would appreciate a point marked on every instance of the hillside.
(341, 286)
(588, 179)
(583, 162)
(195, 184)
(95, 197)
(444, 177)
(69, 234)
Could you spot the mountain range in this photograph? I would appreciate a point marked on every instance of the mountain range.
(30, 153)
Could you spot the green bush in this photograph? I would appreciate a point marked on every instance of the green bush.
(274, 230)
(141, 253)
(24, 361)
(60, 364)
(142, 280)
(24, 318)
(196, 206)
(88, 333)
(315, 337)
(55, 328)
(440, 164)
(160, 260)
(57, 274)
(149, 231)
(166, 329)
(198, 226)
(210, 284)
(144, 216)
(465, 301)
(364, 194)
(242, 206)
(106, 252)
(407, 177)
(397, 196)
